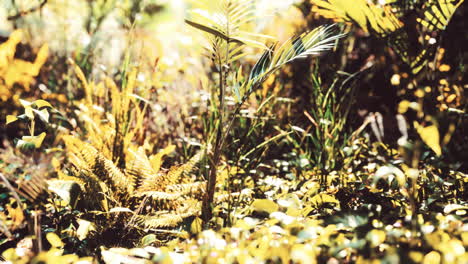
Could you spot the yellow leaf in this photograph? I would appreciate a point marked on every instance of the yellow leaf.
(444, 68)
(29, 112)
(430, 136)
(416, 256)
(156, 160)
(120, 210)
(432, 257)
(10, 119)
(264, 205)
(395, 80)
(42, 103)
(318, 200)
(41, 58)
(54, 240)
(35, 140)
(403, 106)
(196, 226)
(84, 228)
(376, 237)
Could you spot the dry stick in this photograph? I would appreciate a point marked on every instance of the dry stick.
(24, 13)
(211, 181)
(37, 230)
(220, 140)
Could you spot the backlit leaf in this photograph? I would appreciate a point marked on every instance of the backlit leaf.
(10, 119)
(264, 205)
(196, 226)
(320, 199)
(54, 240)
(84, 228)
(42, 103)
(430, 136)
(35, 141)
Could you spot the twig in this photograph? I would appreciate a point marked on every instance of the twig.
(31, 10)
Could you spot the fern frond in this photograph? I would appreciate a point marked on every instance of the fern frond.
(175, 173)
(87, 157)
(166, 220)
(138, 167)
(191, 189)
(153, 182)
(160, 196)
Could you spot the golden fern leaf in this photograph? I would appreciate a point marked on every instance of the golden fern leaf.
(190, 189)
(166, 220)
(153, 182)
(175, 174)
(159, 196)
(175, 192)
(87, 157)
(138, 167)
(159, 181)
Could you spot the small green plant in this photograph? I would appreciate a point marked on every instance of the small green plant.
(227, 39)
(322, 142)
(39, 108)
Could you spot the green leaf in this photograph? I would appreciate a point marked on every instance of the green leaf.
(67, 190)
(386, 172)
(25, 103)
(311, 43)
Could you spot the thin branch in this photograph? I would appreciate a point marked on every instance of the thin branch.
(27, 12)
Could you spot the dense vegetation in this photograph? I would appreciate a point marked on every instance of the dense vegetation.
(233, 131)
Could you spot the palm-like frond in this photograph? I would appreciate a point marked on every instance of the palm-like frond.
(311, 43)
(225, 28)
(388, 21)
(437, 13)
(370, 17)
(227, 21)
